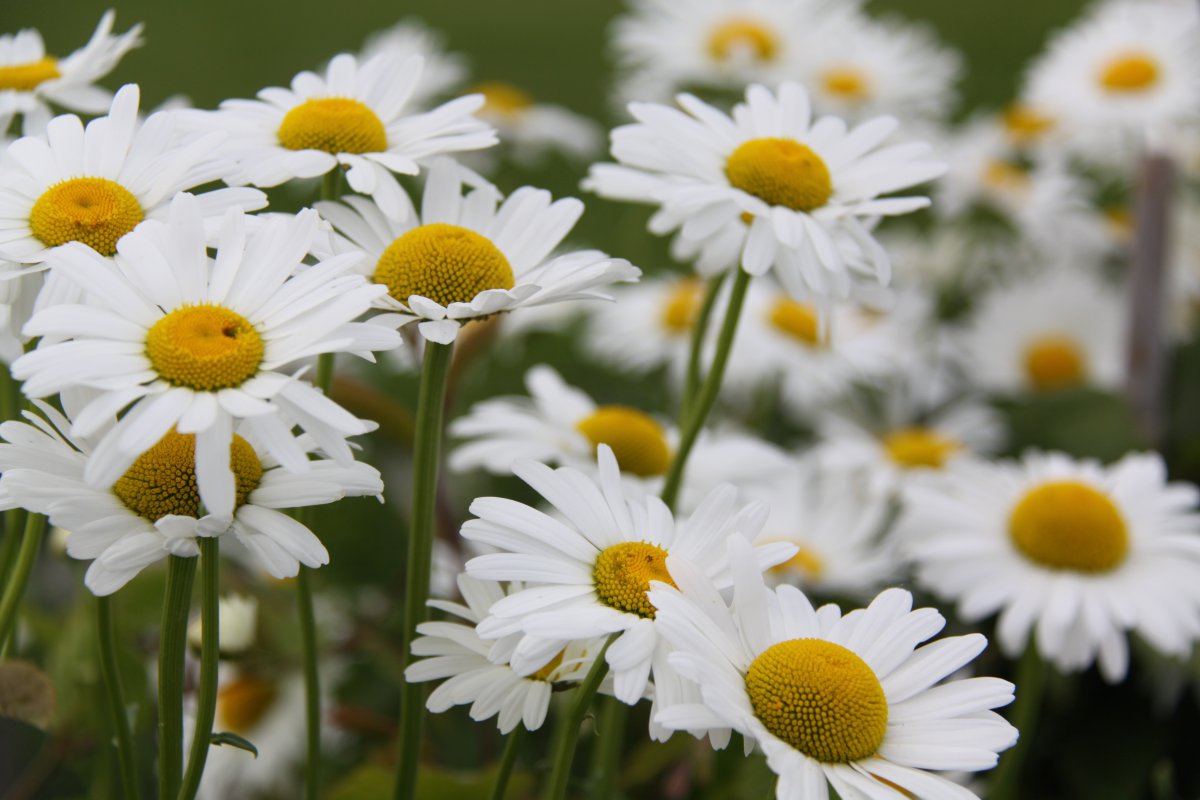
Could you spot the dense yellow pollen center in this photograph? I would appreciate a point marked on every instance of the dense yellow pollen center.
(798, 320)
(503, 98)
(637, 441)
(820, 698)
(806, 562)
(847, 83)
(205, 347)
(682, 306)
(333, 124)
(1130, 73)
(242, 703)
(1069, 525)
(742, 34)
(162, 481)
(545, 672)
(623, 572)
(94, 211)
(919, 447)
(781, 172)
(1055, 362)
(444, 263)
(27, 77)
(1024, 124)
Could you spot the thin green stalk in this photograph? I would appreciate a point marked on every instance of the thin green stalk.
(110, 672)
(606, 757)
(14, 588)
(312, 684)
(567, 734)
(1031, 680)
(210, 645)
(700, 328)
(14, 523)
(177, 599)
(694, 422)
(331, 184)
(511, 745)
(435, 372)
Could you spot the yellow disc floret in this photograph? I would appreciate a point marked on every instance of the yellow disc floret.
(1025, 124)
(846, 83)
(244, 701)
(1055, 362)
(623, 572)
(205, 347)
(546, 672)
(742, 35)
(798, 320)
(444, 263)
(820, 698)
(162, 481)
(1069, 525)
(27, 77)
(94, 211)
(503, 98)
(1130, 73)
(781, 172)
(637, 441)
(919, 447)
(682, 306)
(333, 124)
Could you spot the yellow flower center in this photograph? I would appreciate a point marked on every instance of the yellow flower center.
(1069, 525)
(503, 98)
(847, 83)
(27, 77)
(683, 304)
(444, 263)
(1130, 73)
(806, 562)
(820, 698)
(1055, 362)
(244, 701)
(205, 347)
(1024, 124)
(162, 480)
(333, 124)
(742, 34)
(919, 447)
(1005, 176)
(781, 172)
(623, 573)
(545, 672)
(637, 441)
(797, 320)
(94, 211)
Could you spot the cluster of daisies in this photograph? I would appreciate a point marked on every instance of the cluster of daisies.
(867, 290)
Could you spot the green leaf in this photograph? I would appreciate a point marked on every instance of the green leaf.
(233, 740)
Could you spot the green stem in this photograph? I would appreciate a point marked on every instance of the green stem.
(14, 588)
(324, 377)
(567, 734)
(1031, 680)
(177, 599)
(694, 421)
(606, 757)
(331, 184)
(14, 523)
(435, 372)
(210, 645)
(110, 672)
(507, 761)
(692, 381)
(312, 684)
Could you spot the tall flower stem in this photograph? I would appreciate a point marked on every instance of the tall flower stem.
(312, 684)
(699, 329)
(210, 644)
(181, 573)
(567, 734)
(111, 674)
(702, 405)
(606, 757)
(18, 578)
(435, 371)
(511, 745)
(1030, 681)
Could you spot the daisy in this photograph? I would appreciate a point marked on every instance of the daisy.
(530, 130)
(185, 340)
(442, 72)
(155, 509)
(1075, 551)
(849, 702)
(648, 326)
(1062, 329)
(469, 257)
(458, 654)
(586, 573)
(802, 186)
(30, 80)
(353, 118)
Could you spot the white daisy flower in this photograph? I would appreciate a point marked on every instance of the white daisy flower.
(529, 130)
(30, 79)
(586, 574)
(186, 340)
(155, 509)
(1062, 329)
(802, 185)
(442, 72)
(948, 256)
(849, 702)
(648, 326)
(468, 257)
(17, 296)
(1075, 551)
(352, 117)
(458, 654)
(237, 629)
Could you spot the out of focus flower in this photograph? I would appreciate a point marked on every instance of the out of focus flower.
(442, 72)
(648, 326)
(237, 628)
(529, 130)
